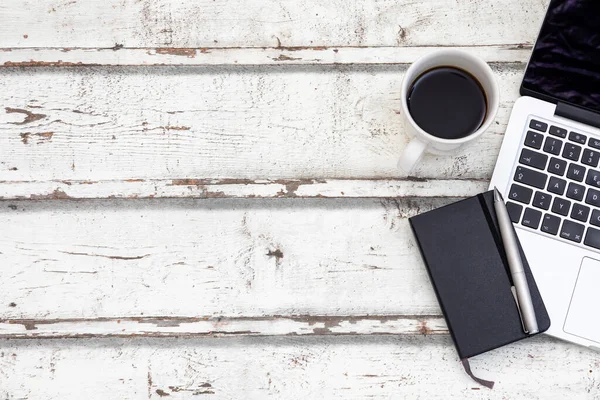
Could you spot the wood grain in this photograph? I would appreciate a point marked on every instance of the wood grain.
(269, 23)
(274, 325)
(71, 57)
(240, 188)
(212, 258)
(294, 122)
(291, 368)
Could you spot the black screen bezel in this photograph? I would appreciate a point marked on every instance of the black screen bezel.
(524, 91)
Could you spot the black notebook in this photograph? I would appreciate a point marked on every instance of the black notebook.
(463, 252)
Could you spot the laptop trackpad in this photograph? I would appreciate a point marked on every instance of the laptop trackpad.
(582, 318)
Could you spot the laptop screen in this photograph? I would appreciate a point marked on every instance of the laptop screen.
(565, 64)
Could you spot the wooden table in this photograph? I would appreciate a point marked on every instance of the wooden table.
(201, 198)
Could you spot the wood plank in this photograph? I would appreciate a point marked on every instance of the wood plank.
(289, 122)
(211, 258)
(246, 23)
(291, 368)
(224, 326)
(240, 188)
(62, 57)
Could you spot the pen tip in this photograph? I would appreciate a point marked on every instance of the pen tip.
(497, 195)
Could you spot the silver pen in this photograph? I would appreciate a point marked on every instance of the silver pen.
(521, 287)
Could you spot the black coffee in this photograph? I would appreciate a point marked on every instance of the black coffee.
(447, 102)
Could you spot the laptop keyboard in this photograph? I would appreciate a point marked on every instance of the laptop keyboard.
(556, 185)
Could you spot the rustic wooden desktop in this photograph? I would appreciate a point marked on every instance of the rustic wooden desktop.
(201, 198)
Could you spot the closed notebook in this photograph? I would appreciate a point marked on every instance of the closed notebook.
(463, 252)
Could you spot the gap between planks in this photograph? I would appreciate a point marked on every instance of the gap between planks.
(225, 326)
(117, 56)
(240, 188)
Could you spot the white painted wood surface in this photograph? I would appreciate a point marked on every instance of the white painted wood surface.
(239, 188)
(199, 198)
(245, 122)
(39, 57)
(248, 23)
(218, 257)
(309, 325)
(290, 368)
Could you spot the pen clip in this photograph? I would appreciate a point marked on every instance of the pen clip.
(514, 292)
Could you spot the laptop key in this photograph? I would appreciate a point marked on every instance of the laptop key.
(556, 131)
(561, 206)
(514, 211)
(530, 177)
(520, 193)
(540, 126)
(593, 178)
(592, 238)
(577, 137)
(571, 151)
(552, 145)
(580, 212)
(576, 172)
(533, 159)
(557, 166)
(593, 197)
(532, 218)
(534, 139)
(590, 157)
(595, 218)
(595, 143)
(550, 224)
(572, 231)
(557, 185)
(575, 191)
(542, 200)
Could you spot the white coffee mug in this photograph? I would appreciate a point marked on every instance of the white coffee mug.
(423, 141)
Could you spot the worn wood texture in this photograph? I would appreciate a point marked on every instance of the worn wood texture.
(294, 122)
(70, 57)
(272, 325)
(240, 188)
(211, 258)
(291, 368)
(270, 23)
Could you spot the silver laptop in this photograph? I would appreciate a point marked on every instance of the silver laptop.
(548, 168)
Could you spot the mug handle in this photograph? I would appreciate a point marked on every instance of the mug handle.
(411, 155)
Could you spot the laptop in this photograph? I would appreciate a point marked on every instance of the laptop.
(548, 168)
